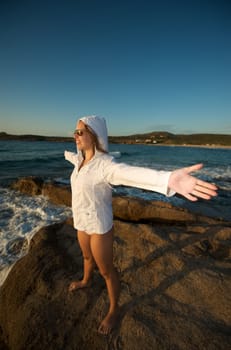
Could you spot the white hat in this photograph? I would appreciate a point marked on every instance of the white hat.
(98, 125)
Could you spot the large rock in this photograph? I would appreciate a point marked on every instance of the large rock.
(33, 185)
(175, 291)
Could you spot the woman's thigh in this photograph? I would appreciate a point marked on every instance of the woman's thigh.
(102, 250)
(84, 242)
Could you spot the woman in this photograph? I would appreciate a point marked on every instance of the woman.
(95, 170)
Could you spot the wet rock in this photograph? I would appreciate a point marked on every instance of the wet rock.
(137, 210)
(30, 185)
(59, 195)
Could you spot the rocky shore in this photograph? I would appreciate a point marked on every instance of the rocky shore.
(175, 282)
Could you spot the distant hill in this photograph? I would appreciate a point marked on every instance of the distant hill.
(167, 138)
(5, 136)
(154, 137)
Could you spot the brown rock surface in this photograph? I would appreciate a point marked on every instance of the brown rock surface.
(175, 290)
(175, 293)
(36, 186)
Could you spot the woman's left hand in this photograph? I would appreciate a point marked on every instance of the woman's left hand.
(189, 186)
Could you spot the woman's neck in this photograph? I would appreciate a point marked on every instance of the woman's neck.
(88, 155)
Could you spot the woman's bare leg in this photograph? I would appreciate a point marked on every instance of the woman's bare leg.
(102, 251)
(88, 262)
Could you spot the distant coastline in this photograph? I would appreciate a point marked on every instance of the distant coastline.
(153, 138)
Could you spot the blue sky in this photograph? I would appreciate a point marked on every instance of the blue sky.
(143, 65)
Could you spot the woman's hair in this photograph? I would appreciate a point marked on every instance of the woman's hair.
(95, 139)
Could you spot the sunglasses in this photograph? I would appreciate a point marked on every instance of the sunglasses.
(79, 132)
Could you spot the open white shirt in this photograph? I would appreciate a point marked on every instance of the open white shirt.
(92, 193)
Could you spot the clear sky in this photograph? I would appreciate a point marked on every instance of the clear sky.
(143, 65)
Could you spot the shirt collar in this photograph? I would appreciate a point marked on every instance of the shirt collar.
(96, 155)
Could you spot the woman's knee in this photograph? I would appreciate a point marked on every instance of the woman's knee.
(89, 258)
(106, 271)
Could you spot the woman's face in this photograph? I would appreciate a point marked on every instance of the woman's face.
(84, 141)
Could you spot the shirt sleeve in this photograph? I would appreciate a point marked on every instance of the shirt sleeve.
(140, 177)
(71, 157)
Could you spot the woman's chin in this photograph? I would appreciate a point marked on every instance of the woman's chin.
(78, 146)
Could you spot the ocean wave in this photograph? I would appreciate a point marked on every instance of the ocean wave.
(45, 158)
(130, 154)
(21, 217)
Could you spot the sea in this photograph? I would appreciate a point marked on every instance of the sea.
(22, 216)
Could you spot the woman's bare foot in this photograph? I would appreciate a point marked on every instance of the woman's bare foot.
(78, 285)
(108, 322)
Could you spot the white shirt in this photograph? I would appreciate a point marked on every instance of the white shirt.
(92, 193)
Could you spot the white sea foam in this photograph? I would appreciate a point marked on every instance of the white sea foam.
(20, 218)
